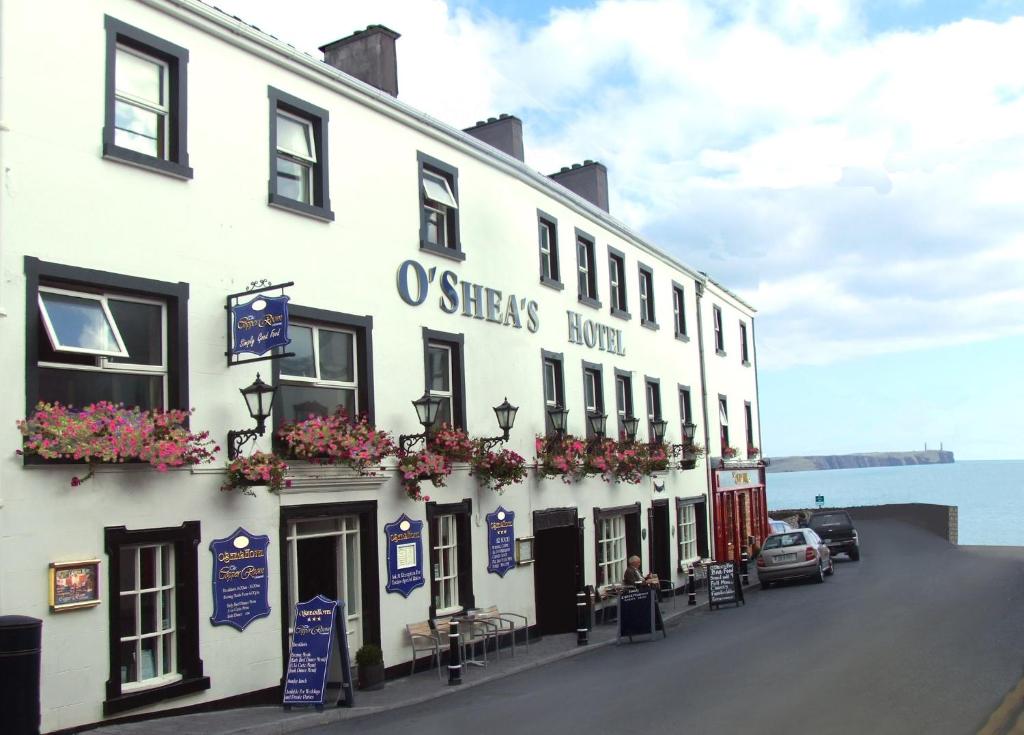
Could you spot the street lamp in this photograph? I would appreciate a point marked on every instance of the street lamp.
(259, 397)
(629, 426)
(426, 407)
(558, 415)
(598, 424)
(658, 427)
(506, 415)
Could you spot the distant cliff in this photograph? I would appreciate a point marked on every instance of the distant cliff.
(849, 461)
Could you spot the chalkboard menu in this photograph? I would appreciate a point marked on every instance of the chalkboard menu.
(501, 553)
(240, 579)
(724, 584)
(639, 613)
(319, 623)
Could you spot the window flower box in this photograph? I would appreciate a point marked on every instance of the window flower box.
(497, 470)
(259, 468)
(337, 439)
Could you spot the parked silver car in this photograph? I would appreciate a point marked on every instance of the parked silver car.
(795, 554)
(779, 526)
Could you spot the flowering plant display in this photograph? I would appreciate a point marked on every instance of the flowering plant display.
(561, 456)
(417, 467)
(657, 457)
(753, 452)
(338, 439)
(497, 470)
(601, 459)
(108, 433)
(729, 452)
(453, 443)
(259, 468)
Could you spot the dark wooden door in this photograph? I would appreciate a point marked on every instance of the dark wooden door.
(660, 549)
(554, 578)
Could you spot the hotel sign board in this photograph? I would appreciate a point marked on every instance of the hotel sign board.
(240, 579)
(501, 553)
(738, 479)
(257, 323)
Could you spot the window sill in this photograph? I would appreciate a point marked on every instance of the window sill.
(291, 205)
(720, 353)
(141, 698)
(150, 163)
(589, 301)
(450, 253)
(620, 314)
(682, 337)
(653, 326)
(746, 363)
(552, 283)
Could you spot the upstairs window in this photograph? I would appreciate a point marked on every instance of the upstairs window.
(593, 392)
(748, 424)
(623, 398)
(679, 310)
(685, 411)
(445, 376)
(647, 314)
(653, 389)
(586, 270)
(554, 385)
(744, 349)
(617, 283)
(439, 208)
(719, 337)
(547, 239)
(322, 375)
(723, 420)
(298, 156)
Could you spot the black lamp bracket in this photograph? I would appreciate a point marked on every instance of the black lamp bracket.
(490, 442)
(237, 439)
(407, 441)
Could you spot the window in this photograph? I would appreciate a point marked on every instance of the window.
(586, 269)
(685, 411)
(653, 390)
(547, 237)
(146, 102)
(748, 418)
(593, 392)
(617, 283)
(444, 375)
(744, 350)
(97, 336)
(647, 315)
(611, 550)
(154, 644)
(439, 207)
(623, 398)
(554, 385)
(719, 337)
(451, 562)
(687, 534)
(723, 420)
(298, 156)
(679, 311)
(692, 531)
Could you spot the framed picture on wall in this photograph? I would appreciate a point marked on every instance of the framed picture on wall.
(524, 550)
(74, 584)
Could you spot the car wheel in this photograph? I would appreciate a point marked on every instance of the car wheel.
(819, 577)
(855, 555)
(831, 569)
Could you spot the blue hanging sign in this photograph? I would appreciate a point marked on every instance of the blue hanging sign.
(259, 325)
(405, 555)
(501, 555)
(240, 579)
(310, 651)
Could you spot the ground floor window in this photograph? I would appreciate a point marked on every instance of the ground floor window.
(446, 565)
(611, 550)
(451, 557)
(691, 530)
(687, 534)
(147, 630)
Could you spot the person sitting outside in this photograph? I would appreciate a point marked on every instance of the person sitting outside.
(633, 577)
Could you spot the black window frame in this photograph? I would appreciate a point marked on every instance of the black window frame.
(545, 220)
(185, 539)
(723, 429)
(685, 406)
(634, 535)
(176, 57)
(654, 383)
(744, 345)
(558, 359)
(592, 298)
(617, 260)
(719, 328)
(598, 370)
(679, 311)
(463, 512)
(700, 514)
(318, 118)
(438, 168)
(457, 344)
(363, 328)
(748, 428)
(648, 312)
(626, 375)
(175, 295)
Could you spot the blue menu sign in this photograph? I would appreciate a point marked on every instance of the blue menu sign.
(259, 325)
(405, 555)
(310, 652)
(501, 555)
(240, 579)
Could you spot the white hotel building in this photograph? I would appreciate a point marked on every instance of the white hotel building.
(159, 155)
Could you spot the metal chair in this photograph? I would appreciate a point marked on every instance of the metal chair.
(423, 638)
(499, 626)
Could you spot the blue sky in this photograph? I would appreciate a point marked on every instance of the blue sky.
(852, 168)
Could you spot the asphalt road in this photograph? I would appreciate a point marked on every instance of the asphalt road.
(917, 637)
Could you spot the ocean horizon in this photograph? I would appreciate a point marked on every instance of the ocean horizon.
(987, 493)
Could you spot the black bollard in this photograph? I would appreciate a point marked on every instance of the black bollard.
(582, 637)
(744, 574)
(691, 587)
(454, 655)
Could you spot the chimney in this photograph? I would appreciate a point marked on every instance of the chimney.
(368, 55)
(504, 132)
(589, 180)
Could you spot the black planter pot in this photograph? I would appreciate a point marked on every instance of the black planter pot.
(371, 677)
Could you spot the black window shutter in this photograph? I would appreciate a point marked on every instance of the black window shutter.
(464, 530)
(435, 535)
(700, 511)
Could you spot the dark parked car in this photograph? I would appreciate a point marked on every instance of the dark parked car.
(797, 554)
(836, 529)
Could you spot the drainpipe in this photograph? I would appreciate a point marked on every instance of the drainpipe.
(760, 437)
(699, 290)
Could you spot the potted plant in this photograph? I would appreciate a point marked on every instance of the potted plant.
(424, 466)
(370, 667)
(729, 452)
(453, 443)
(753, 452)
(561, 456)
(498, 470)
(259, 468)
(337, 439)
(690, 454)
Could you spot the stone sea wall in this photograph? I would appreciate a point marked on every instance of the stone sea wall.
(850, 461)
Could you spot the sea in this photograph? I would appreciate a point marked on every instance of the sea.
(989, 494)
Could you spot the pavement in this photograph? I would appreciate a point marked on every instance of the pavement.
(421, 687)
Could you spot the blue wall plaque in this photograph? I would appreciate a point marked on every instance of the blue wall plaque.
(259, 325)
(310, 651)
(405, 555)
(501, 553)
(240, 579)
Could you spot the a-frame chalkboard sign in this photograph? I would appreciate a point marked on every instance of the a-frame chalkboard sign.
(639, 614)
(724, 586)
(319, 630)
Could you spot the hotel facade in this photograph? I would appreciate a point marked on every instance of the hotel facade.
(170, 156)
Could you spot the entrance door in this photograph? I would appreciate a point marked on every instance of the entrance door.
(658, 522)
(323, 559)
(554, 578)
